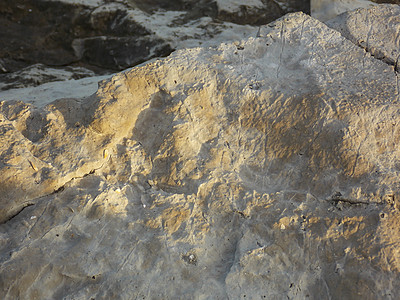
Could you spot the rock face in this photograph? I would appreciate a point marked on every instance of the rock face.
(376, 30)
(266, 168)
(105, 36)
(325, 10)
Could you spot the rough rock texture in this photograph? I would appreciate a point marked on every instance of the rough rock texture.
(104, 35)
(262, 169)
(377, 30)
(325, 10)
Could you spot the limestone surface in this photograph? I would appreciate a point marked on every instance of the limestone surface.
(377, 30)
(266, 168)
(325, 10)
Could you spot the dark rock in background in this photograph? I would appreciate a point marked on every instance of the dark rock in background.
(37, 74)
(102, 36)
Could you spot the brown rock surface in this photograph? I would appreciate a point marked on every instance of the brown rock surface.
(261, 169)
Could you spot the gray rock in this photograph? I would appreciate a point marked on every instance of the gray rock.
(266, 168)
(376, 30)
(38, 74)
(46, 93)
(325, 10)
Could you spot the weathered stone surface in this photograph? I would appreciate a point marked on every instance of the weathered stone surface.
(325, 10)
(261, 169)
(257, 12)
(376, 30)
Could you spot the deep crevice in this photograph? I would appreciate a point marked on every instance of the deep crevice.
(58, 190)
(348, 201)
(61, 188)
(338, 199)
(17, 213)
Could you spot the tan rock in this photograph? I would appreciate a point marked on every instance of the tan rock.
(265, 168)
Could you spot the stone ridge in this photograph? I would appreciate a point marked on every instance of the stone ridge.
(265, 168)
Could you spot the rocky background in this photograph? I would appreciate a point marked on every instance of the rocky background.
(45, 40)
(262, 167)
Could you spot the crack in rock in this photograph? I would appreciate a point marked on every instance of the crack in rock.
(17, 213)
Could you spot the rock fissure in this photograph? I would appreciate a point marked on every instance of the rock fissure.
(91, 172)
(348, 201)
(379, 56)
(374, 30)
(396, 72)
(20, 210)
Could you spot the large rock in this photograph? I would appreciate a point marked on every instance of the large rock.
(261, 169)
